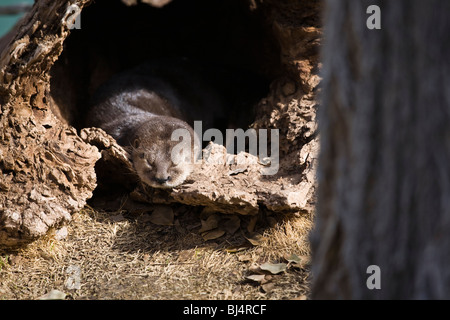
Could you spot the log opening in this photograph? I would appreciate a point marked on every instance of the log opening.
(229, 37)
(114, 37)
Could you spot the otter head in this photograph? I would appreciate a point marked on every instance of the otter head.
(164, 151)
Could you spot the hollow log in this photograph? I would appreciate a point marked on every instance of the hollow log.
(48, 160)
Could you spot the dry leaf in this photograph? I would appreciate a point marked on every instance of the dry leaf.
(293, 258)
(298, 261)
(252, 224)
(255, 239)
(162, 215)
(241, 247)
(212, 222)
(274, 268)
(268, 287)
(206, 212)
(306, 260)
(179, 228)
(231, 225)
(256, 277)
(214, 234)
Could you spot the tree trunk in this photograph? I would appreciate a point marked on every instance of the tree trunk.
(384, 165)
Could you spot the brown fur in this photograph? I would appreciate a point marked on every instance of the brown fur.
(141, 111)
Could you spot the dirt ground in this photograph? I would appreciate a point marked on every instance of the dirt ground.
(123, 256)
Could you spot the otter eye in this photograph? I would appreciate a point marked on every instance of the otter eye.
(136, 143)
(141, 155)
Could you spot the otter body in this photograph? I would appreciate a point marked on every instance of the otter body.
(142, 107)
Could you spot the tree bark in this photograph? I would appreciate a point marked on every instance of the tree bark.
(47, 171)
(384, 164)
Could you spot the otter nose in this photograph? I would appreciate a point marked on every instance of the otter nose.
(162, 180)
(162, 174)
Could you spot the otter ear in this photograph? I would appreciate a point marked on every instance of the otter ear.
(136, 143)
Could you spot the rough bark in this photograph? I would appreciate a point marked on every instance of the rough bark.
(384, 164)
(237, 188)
(47, 171)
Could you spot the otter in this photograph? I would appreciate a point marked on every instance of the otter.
(142, 107)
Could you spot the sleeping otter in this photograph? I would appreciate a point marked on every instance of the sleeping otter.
(142, 107)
